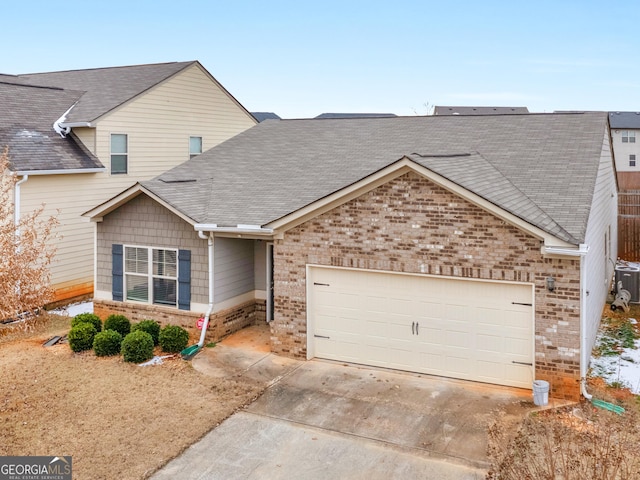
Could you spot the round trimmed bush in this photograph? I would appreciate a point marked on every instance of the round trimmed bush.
(150, 326)
(107, 343)
(119, 323)
(137, 347)
(91, 318)
(81, 337)
(173, 338)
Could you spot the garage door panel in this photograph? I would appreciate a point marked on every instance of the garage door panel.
(461, 328)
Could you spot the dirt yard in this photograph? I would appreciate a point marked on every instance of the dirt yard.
(116, 420)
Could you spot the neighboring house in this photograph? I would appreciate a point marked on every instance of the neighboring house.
(472, 247)
(446, 110)
(262, 116)
(625, 135)
(76, 138)
(356, 115)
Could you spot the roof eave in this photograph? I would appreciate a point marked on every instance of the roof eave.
(98, 213)
(69, 171)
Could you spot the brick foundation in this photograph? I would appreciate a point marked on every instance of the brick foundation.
(221, 323)
(412, 225)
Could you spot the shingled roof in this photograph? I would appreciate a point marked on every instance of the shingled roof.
(541, 168)
(27, 115)
(105, 88)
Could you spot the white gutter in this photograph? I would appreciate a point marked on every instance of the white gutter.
(210, 249)
(240, 229)
(571, 252)
(58, 125)
(62, 172)
(76, 124)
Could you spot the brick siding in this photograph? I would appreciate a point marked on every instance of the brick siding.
(222, 323)
(412, 225)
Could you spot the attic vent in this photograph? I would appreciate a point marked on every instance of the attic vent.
(448, 155)
(178, 180)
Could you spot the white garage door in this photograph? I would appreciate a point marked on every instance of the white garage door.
(466, 329)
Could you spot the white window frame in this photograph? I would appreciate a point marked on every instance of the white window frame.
(191, 152)
(632, 160)
(149, 275)
(628, 136)
(112, 153)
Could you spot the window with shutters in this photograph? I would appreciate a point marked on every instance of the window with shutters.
(151, 275)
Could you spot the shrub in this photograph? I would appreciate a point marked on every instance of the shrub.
(137, 347)
(150, 326)
(81, 337)
(173, 338)
(119, 323)
(91, 318)
(107, 343)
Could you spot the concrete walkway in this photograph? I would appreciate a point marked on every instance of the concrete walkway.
(323, 419)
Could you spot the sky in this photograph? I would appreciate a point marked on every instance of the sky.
(303, 58)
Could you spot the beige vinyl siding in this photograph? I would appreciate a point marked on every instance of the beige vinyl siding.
(598, 270)
(158, 124)
(62, 195)
(87, 136)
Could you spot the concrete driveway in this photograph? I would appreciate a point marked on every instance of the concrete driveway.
(320, 419)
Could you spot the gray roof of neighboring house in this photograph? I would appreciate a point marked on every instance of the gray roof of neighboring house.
(105, 88)
(447, 110)
(540, 167)
(262, 116)
(624, 119)
(356, 115)
(27, 115)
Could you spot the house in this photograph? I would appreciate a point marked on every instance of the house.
(262, 116)
(474, 247)
(76, 138)
(355, 115)
(625, 138)
(446, 110)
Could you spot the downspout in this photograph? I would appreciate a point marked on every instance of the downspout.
(209, 239)
(582, 252)
(16, 202)
(583, 330)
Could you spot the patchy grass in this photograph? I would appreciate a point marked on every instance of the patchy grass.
(571, 443)
(116, 420)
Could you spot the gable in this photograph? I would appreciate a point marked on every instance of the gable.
(411, 215)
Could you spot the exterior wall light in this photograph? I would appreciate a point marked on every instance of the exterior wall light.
(551, 284)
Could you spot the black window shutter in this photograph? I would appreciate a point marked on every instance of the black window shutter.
(117, 284)
(184, 279)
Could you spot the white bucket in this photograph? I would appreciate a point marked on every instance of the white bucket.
(540, 392)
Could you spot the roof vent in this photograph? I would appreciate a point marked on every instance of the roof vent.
(177, 180)
(446, 155)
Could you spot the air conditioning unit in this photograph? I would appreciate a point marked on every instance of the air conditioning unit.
(629, 275)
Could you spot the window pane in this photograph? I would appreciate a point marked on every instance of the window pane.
(136, 260)
(118, 143)
(118, 164)
(164, 291)
(137, 288)
(195, 145)
(165, 263)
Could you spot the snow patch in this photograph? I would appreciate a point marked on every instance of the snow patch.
(623, 369)
(74, 309)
